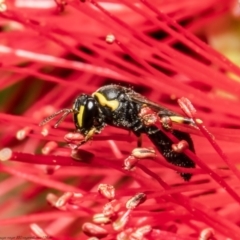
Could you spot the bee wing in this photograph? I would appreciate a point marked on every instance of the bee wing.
(179, 122)
(162, 111)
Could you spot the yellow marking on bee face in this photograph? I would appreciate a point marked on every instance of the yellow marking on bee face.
(112, 104)
(80, 116)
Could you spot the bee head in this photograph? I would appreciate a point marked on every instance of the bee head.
(84, 112)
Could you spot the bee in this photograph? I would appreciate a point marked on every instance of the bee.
(124, 108)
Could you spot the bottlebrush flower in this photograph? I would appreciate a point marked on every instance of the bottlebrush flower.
(51, 51)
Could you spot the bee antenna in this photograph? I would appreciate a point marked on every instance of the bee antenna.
(65, 112)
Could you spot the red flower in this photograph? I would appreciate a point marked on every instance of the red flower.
(54, 50)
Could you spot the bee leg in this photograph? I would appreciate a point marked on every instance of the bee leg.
(168, 120)
(88, 137)
(182, 120)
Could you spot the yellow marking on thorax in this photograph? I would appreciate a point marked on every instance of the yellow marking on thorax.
(80, 116)
(112, 104)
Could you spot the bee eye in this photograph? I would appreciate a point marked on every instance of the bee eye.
(85, 109)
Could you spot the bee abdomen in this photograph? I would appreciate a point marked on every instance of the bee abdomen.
(164, 146)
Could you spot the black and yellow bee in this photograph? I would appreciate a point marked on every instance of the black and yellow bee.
(121, 107)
